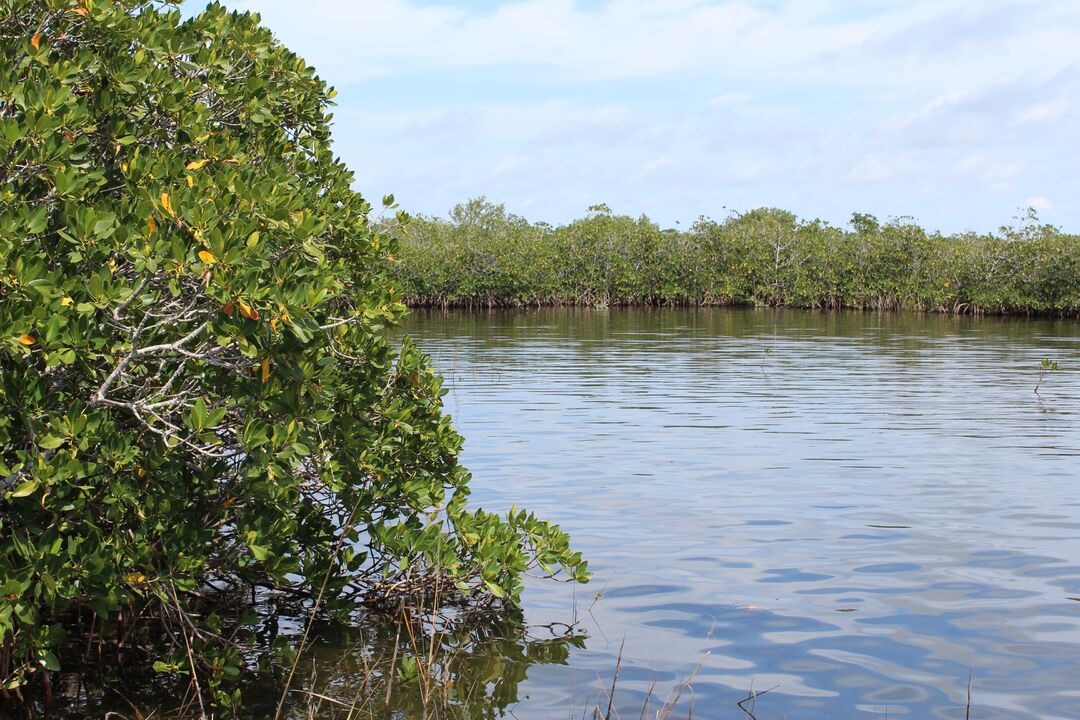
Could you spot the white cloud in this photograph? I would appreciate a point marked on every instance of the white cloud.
(872, 168)
(800, 39)
(944, 109)
(629, 38)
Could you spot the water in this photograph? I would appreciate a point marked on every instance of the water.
(850, 513)
(854, 520)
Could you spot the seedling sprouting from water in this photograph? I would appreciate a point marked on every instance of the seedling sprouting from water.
(764, 358)
(1048, 366)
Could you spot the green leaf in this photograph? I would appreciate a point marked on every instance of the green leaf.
(48, 661)
(26, 488)
(199, 415)
(51, 442)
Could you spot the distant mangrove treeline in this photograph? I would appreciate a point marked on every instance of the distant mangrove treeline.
(483, 256)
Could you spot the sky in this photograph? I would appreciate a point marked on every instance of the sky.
(957, 113)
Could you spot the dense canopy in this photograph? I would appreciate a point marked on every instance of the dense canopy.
(198, 392)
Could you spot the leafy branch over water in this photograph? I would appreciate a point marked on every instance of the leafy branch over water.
(200, 404)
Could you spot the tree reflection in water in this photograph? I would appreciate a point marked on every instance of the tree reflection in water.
(468, 667)
(381, 666)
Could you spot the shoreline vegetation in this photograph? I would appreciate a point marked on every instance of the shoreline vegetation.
(202, 418)
(485, 257)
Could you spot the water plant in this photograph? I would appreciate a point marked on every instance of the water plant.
(199, 400)
(1046, 367)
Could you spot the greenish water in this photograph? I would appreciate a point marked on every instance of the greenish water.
(854, 520)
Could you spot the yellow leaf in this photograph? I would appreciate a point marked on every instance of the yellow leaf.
(66, 302)
(151, 225)
(249, 312)
(207, 257)
(166, 202)
(27, 339)
(196, 165)
(36, 41)
(190, 181)
(265, 369)
(79, 11)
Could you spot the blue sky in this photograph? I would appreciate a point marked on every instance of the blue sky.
(955, 112)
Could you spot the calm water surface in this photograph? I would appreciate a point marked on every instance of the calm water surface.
(854, 520)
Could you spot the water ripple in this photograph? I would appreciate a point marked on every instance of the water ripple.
(861, 517)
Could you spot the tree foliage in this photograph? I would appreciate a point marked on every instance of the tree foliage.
(198, 392)
(483, 256)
